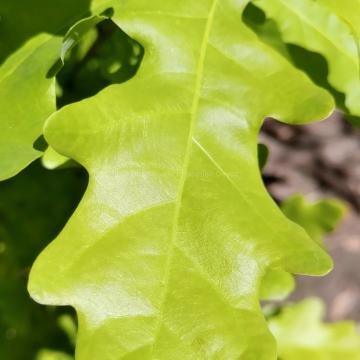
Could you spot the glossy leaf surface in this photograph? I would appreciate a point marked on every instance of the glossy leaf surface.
(330, 28)
(318, 219)
(25, 104)
(166, 252)
(30, 48)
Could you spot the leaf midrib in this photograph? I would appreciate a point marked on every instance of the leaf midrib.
(193, 113)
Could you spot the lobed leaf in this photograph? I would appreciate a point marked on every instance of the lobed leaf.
(318, 219)
(164, 257)
(330, 28)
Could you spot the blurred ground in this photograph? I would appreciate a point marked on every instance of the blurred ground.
(322, 160)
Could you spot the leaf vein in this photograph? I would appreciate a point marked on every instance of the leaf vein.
(194, 110)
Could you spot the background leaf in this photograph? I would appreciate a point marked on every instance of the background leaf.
(317, 218)
(329, 28)
(30, 49)
(300, 334)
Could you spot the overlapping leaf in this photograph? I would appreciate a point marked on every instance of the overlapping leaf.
(318, 219)
(30, 48)
(27, 98)
(301, 334)
(166, 252)
(328, 27)
(46, 354)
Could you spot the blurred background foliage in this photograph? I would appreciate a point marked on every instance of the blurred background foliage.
(34, 207)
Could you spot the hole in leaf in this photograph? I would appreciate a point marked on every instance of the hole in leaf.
(105, 55)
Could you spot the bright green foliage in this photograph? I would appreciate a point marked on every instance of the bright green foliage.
(34, 206)
(27, 94)
(167, 250)
(316, 218)
(266, 29)
(300, 334)
(52, 160)
(349, 12)
(328, 27)
(25, 105)
(276, 285)
(176, 239)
